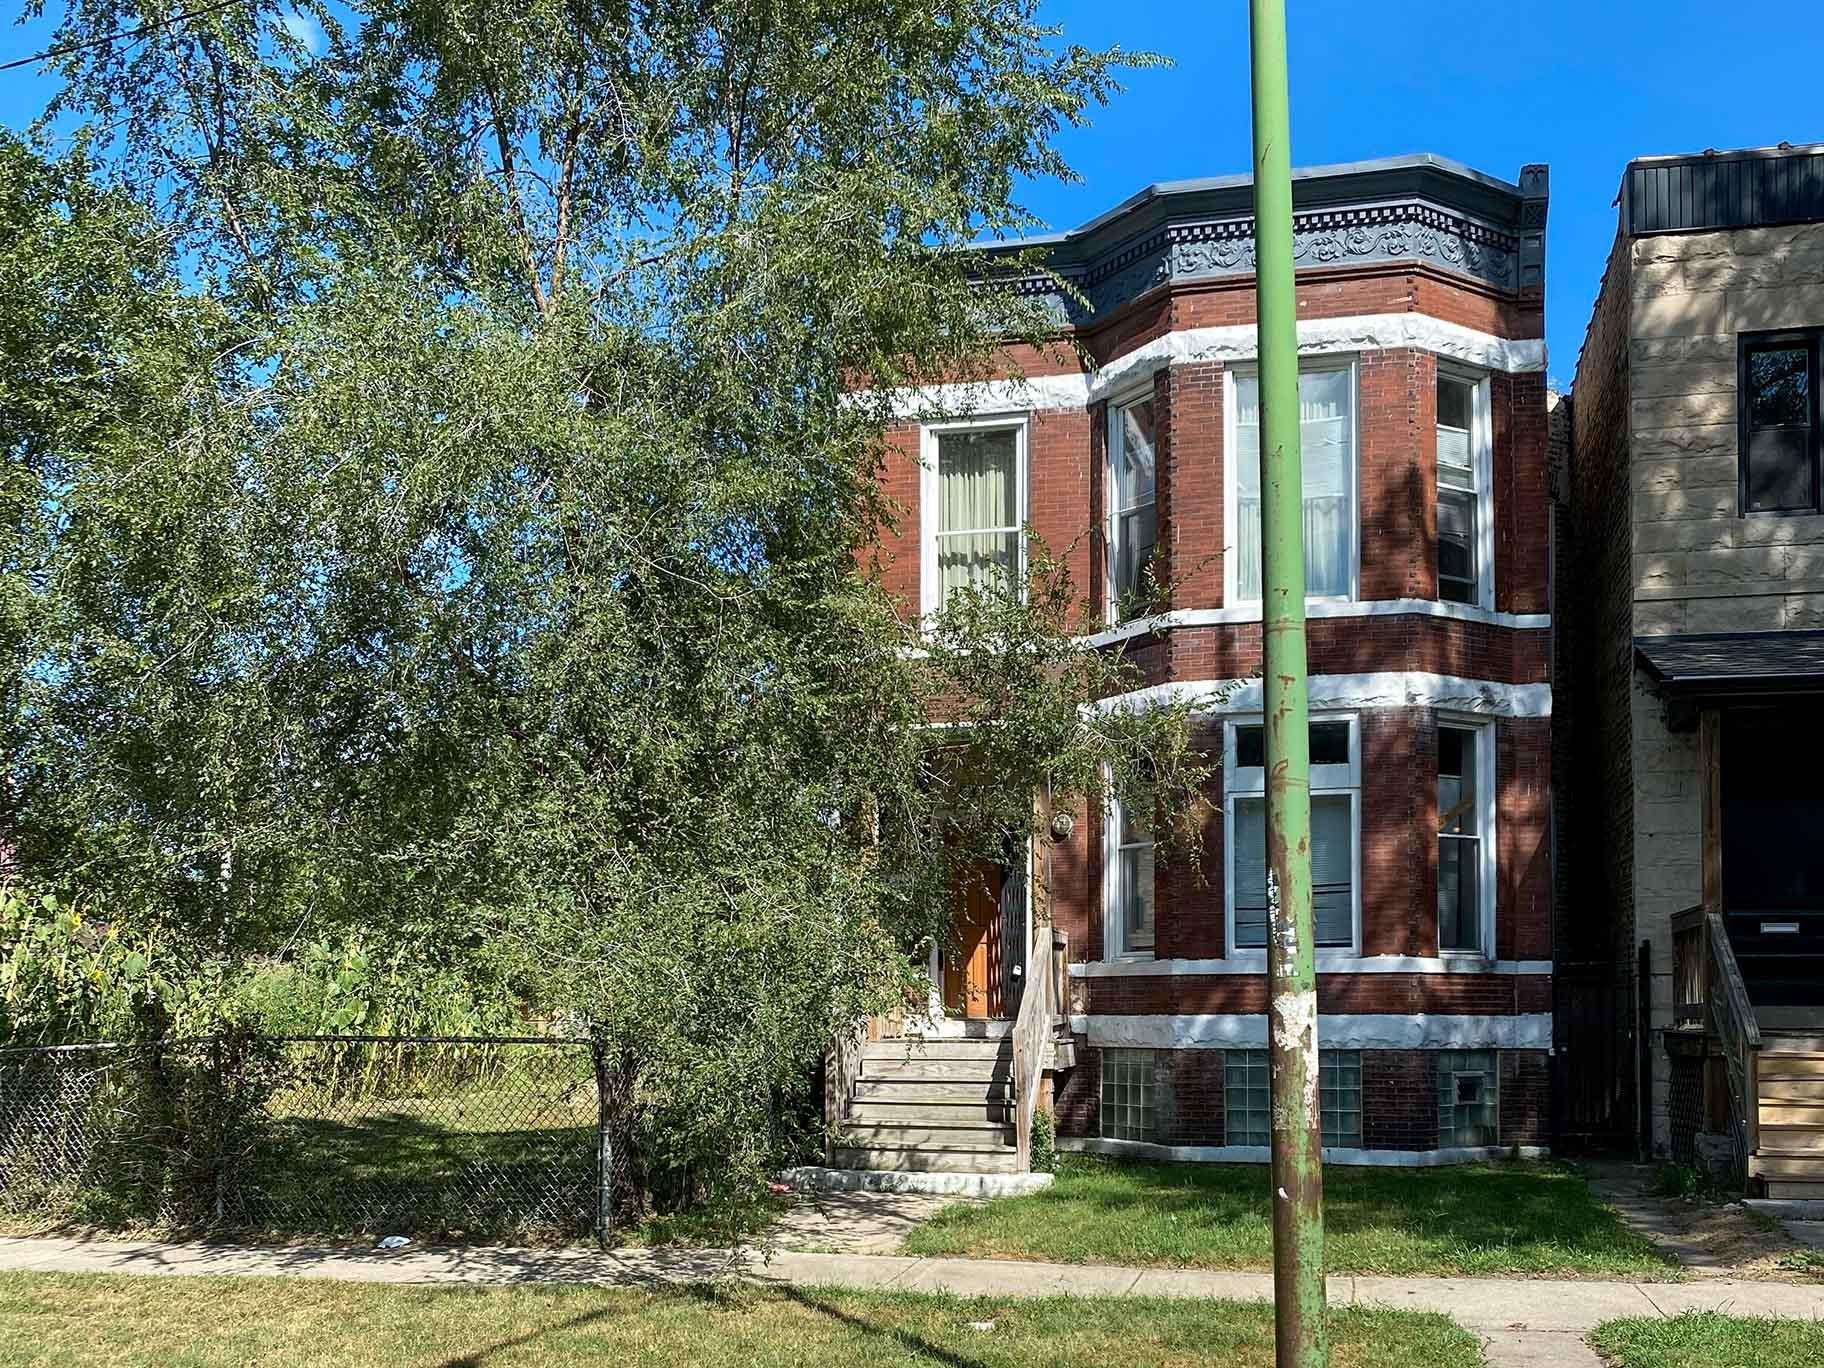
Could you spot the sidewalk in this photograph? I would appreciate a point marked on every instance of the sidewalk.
(1521, 1321)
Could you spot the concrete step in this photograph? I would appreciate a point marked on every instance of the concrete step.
(942, 1113)
(948, 1159)
(934, 1090)
(924, 1134)
(937, 1049)
(981, 1072)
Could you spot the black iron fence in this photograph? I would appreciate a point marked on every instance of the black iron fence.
(357, 1136)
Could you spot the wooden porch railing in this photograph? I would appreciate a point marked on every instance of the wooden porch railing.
(1707, 990)
(1033, 1030)
(841, 1073)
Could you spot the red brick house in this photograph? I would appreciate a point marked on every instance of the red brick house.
(1421, 294)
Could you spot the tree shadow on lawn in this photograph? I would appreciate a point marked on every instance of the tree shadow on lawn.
(399, 1171)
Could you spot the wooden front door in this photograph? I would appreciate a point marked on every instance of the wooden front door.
(973, 973)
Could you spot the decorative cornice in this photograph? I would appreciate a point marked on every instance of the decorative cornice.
(1418, 210)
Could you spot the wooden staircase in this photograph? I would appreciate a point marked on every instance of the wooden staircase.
(960, 1100)
(1789, 1155)
(1766, 1083)
(942, 1104)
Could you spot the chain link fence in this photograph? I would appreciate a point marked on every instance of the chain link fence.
(356, 1136)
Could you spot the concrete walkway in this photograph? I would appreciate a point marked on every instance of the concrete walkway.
(1521, 1321)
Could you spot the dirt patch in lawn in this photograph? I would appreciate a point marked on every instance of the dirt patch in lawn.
(1709, 1237)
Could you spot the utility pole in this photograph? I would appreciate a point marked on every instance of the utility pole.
(1298, 1159)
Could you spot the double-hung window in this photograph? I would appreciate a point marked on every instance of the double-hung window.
(975, 509)
(1326, 426)
(1133, 515)
(1465, 482)
(1466, 846)
(1128, 881)
(1335, 817)
(1780, 423)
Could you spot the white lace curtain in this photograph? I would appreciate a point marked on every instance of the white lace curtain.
(1327, 444)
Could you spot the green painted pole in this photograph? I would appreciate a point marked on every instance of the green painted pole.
(1298, 1160)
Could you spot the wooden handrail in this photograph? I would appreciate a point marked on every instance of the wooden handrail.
(1031, 1038)
(841, 1073)
(1738, 1036)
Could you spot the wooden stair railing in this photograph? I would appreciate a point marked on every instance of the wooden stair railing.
(1708, 991)
(1033, 1030)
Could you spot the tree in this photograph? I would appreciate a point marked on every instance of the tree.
(489, 580)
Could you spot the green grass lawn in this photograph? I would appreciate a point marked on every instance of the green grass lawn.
(57, 1319)
(1498, 1219)
(1710, 1340)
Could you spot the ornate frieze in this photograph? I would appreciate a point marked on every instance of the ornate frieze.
(1214, 249)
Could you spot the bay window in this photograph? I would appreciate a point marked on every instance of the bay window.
(1326, 408)
(1128, 882)
(1335, 800)
(1133, 516)
(1465, 844)
(1465, 485)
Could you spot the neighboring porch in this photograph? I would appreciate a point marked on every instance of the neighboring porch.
(1747, 1037)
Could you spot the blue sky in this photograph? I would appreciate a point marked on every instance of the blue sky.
(1581, 86)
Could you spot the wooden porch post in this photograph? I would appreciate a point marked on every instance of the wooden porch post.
(1710, 763)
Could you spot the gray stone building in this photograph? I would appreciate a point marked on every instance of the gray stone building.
(1690, 603)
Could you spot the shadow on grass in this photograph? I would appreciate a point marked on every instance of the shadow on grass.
(1533, 1214)
(907, 1339)
(401, 1172)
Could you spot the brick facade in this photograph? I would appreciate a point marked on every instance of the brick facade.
(1414, 660)
(1399, 1099)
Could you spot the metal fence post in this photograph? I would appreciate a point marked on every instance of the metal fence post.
(604, 1144)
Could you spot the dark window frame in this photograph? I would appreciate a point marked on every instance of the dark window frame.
(1812, 339)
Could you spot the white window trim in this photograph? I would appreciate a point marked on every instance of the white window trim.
(930, 578)
(1111, 520)
(1487, 863)
(1112, 920)
(1230, 532)
(1326, 781)
(1482, 458)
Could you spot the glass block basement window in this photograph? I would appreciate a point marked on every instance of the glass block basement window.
(1468, 1112)
(1127, 1094)
(1248, 1109)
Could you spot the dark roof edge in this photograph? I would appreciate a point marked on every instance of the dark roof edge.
(1313, 187)
(1720, 190)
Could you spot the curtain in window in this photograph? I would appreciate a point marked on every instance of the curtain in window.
(1326, 445)
(1136, 517)
(1332, 870)
(978, 500)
